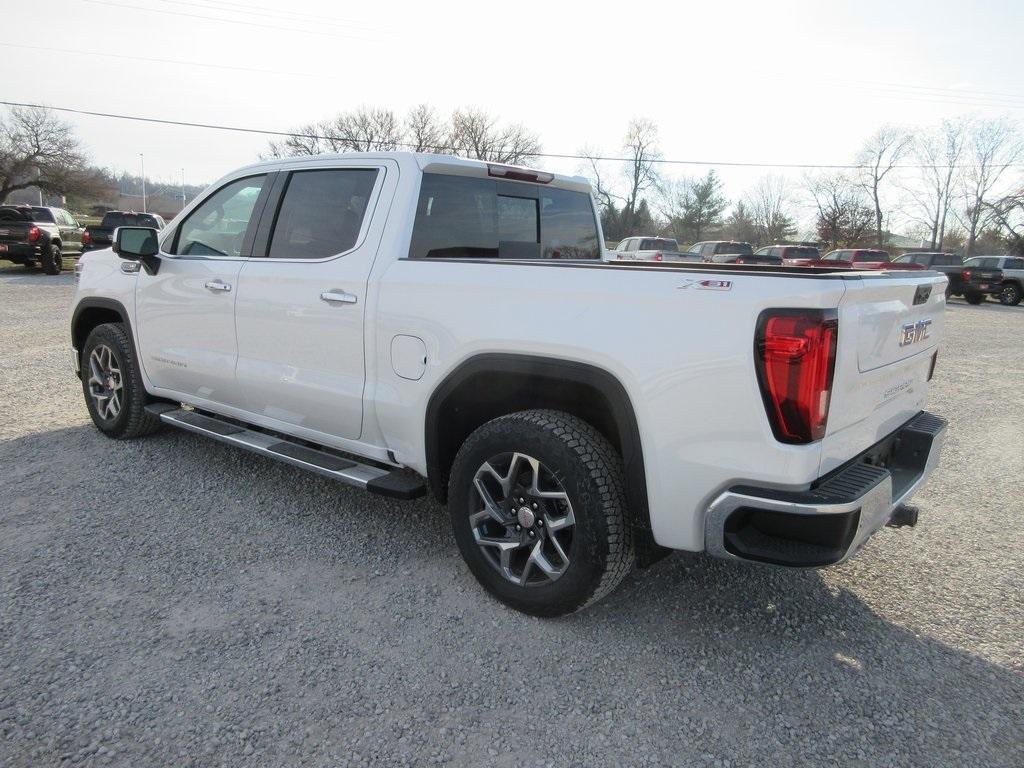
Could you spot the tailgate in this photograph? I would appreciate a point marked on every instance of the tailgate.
(890, 325)
(14, 231)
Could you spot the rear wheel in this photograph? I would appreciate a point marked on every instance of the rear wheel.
(1010, 295)
(53, 260)
(538, 512)
(973, 297)
(113, 386)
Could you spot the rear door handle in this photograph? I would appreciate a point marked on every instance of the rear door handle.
(217, 286)
(338, 297)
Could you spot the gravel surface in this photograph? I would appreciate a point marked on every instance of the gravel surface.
(171, 601)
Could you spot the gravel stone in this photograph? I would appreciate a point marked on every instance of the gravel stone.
(172, 601)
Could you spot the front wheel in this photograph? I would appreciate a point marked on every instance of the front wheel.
(1010, 295)
(973, 297)
(538, 510)
(53, 260)
(112, 384)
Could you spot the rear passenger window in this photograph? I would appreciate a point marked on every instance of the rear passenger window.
(1014, 264)
(462, 217)
(321, 213)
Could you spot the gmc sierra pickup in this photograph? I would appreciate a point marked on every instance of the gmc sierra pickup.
(406, 323)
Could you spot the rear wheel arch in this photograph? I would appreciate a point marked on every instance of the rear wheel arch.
(491, 385)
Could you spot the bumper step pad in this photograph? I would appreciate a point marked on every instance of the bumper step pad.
(394, 483)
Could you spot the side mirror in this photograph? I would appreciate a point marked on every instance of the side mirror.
(138, 244)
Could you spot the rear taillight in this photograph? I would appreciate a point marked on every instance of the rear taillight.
(34, 234)
(86, 238)
(795, 357)
(657, 257)
(965, 275)
(739, 261)
(931, 367)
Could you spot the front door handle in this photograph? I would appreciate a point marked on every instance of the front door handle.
(338, 297)
(217, 286)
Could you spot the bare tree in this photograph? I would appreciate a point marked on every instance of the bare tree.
(642, 153)
(879, 156)
(425, 132)
(308, 139)
(1007, 214)
(477, 134)
(368, 129)
(38, 150)
(770, 205)
(623, 212)
(844, 211)
(937, 153)
(992, 147)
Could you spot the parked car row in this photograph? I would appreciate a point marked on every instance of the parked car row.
(999, 276)
(43, 236)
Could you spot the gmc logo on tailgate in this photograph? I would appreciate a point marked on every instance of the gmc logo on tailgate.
(912, 333)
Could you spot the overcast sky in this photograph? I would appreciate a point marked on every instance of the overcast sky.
(762, 81)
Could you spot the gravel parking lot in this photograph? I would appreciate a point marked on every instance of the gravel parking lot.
(172, 601)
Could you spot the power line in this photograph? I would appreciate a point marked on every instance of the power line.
(446, 148)
(275, 27)
(151, 60)
(224, 6)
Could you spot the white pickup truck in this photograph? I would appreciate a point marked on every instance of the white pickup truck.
(406, 323)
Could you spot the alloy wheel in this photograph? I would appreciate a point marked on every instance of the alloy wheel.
(522, 519)
(105, 382)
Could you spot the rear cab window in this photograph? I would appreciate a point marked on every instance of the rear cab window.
(658, 244)
(741, 248)
(116, 219)
(469, 217)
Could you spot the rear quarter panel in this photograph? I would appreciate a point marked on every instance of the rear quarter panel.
(684, 353)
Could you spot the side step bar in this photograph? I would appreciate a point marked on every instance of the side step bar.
(396, 484)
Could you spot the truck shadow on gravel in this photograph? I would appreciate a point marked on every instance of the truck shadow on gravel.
(202, 566)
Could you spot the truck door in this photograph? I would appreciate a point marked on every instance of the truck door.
(302, 298)
(186, 312)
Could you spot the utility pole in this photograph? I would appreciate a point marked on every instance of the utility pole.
(142, 161)
(182, 189)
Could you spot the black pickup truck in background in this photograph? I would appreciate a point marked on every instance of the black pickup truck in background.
(949, 264)
(37, 235)
(1001, 277)
(102, 236)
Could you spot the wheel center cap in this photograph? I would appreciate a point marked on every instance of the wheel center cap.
(526, 517)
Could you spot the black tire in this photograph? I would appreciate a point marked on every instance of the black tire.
(53, 260)
(1010, 295)
(973, 297)
(131, 420)
(589, 470)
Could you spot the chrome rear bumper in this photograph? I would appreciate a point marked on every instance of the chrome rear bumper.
(830, 521)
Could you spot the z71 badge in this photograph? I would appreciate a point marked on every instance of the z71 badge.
(912, 333)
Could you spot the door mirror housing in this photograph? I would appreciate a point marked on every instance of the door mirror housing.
(138, 244)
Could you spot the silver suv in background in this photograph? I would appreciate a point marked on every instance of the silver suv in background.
(720, 251)
(644, 248)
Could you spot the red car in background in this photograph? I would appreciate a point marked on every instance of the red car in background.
(855, 258)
